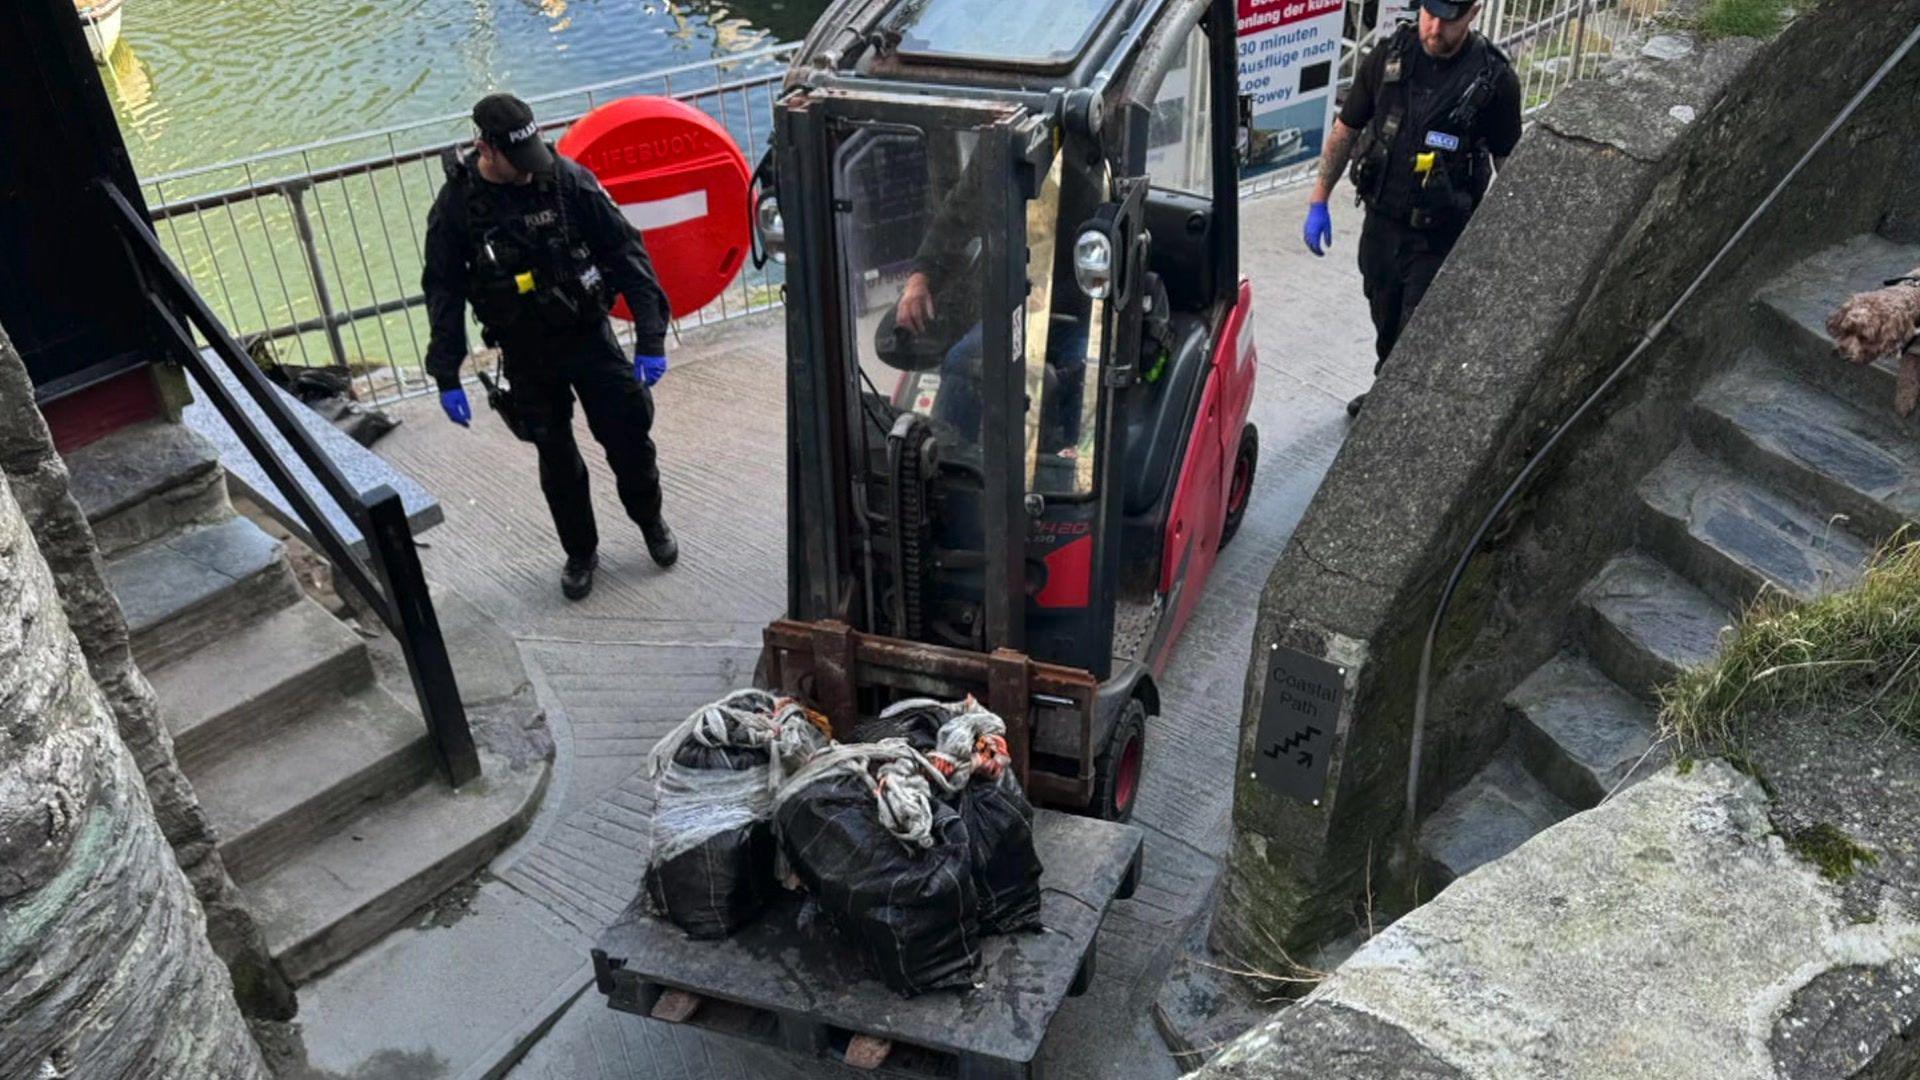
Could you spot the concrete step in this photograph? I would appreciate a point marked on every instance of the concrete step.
(1737, 538)
(282, 789)
(1498, 810)
(1841, 459)
(1644, 624)
(340, 894)
(249, 685)
(187, 590)
(1798, 304)
(1581, 734)
(364, 469)
(146, 482)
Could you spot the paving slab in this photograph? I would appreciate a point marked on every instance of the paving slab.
(412, 1001)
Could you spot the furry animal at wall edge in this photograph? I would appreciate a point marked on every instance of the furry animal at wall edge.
(1874, 324)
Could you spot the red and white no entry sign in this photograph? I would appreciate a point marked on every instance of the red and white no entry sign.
(679, 178)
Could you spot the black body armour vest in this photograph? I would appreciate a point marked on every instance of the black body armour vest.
(1445, 160)
(528, 272)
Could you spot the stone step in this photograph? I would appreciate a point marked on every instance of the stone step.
(1799, 303)
(1737, 538)
(146, 482)
(367, 877)
(1581, 734)
(197, 586)
(1841, 459)
(1498, 810)
(248, 685)
(282, 789)
(1644, 624)
(365, 470)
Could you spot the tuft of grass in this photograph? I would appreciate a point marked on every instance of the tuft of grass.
(1831, 849)
(1743, 18)
(1854, 652)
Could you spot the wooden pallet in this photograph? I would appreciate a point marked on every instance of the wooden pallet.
(799, 989)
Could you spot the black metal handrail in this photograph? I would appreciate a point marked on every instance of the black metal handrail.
(394, 587)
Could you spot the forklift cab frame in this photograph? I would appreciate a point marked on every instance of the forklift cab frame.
(1016, 334)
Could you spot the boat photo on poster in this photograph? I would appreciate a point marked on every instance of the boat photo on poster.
(1289, 59)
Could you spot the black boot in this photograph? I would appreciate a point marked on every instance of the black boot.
(1354, 406)
(661, 544)
(576, 580)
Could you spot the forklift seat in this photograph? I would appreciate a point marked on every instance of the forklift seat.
(1157, 415)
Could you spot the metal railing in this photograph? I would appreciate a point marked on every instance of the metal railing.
(394, 587)
(317, 248)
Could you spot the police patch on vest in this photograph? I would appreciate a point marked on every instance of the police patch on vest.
(541, 218)
(1440, 140)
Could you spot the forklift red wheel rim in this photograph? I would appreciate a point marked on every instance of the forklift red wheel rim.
(1126, 781)
(1242, 483)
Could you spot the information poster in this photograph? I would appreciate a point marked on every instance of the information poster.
(1289, 60)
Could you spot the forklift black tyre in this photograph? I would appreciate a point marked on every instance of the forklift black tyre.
(1083, 978)
(1240, 488)
(1116, 772)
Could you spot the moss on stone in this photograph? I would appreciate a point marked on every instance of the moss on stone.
(1831, 849)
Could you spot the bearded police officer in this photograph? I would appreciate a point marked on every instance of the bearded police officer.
(535, 244)
(1432, 113)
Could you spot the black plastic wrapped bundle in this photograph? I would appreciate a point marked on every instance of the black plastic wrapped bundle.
(888, 861)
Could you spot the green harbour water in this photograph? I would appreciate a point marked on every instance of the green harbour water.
(200, 84)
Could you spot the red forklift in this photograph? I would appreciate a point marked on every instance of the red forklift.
(1020, 367)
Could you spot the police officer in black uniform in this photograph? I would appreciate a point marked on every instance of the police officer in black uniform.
(1431, 115)
(535, 244)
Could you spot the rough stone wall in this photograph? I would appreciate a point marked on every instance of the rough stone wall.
(1617, 197)
(40, 483)
(1669, 933)
(104, 969)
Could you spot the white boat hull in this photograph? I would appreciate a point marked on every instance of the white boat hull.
(102, 25)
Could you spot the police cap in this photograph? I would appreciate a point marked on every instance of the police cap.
(507, 124)
(1447, 10)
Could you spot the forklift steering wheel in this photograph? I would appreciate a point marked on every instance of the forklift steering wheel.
(901, 348)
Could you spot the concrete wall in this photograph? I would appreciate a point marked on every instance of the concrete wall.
(1667, 933)
(105, 970)
(1613, 203)
(40, 483)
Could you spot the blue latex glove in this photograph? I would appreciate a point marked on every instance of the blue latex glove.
(455, 403)
(1319, 229)
(648, 369)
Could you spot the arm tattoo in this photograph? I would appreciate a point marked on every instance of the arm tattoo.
(1333, 160)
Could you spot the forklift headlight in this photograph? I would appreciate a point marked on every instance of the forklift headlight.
(772, 230)
(1093, 263)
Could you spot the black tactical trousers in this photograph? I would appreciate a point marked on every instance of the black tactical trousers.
(546, 378)
(1397, 263)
